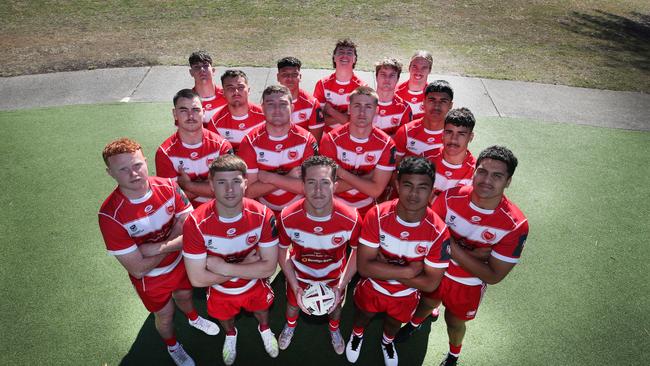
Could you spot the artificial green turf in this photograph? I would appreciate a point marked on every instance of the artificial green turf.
(579, 295)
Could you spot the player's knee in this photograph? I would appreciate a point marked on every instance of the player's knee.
(182, 295)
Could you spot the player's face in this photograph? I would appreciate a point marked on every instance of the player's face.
(188, 114)
(362, 110)
(456, 138)
(387, 79)
(229, 188)
(235, 90)
(290, 77)
(319, 187)
(277, 109)
(490, 179)
(202, 72)
(419, 70)
(436, 105)
(129, 170)
(414, 191)
(344, 57)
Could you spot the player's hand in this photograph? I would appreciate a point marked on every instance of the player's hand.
(295, 172)
(338, 293)
(183, 179)
(298, 292)
(149, 249)
(415, 268)
(482, 254)
(252, 257)
(213, 262)
(263, 176)
(381, 258)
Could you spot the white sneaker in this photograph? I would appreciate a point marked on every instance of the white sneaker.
(229, 352)
(390, 354)
(337, 342)
(284, 340)
(353, 348)
(270, 343)
(180, 357)
(208, 327)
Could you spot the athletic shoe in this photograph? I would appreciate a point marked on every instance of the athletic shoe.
(450, 360)
(205, 325)
(390, 355)
(337, 342)
(270, 343)
(435, 313)
(353, 348)
(285, 337)
(406, 332)
(180, 357)
(229, 349)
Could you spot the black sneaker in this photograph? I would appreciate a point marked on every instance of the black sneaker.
(450, 360)
(406, 332)
(390, 356)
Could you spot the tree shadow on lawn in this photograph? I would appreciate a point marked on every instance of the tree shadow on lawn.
(624, 40)
(310, 345)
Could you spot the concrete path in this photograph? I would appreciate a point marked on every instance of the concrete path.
(485, 97)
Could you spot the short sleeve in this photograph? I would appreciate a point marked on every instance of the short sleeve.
(510, 247)
(438, 255)
(387, 159)
(319, 92)
(370, 229)
(164, 165)
(116, 238)
(356, 231)
(181, 202)
(316, 120)
(269, 235)
(400, 141)
(193, 242)
(247, 153)
(327, 147)
(283, 236)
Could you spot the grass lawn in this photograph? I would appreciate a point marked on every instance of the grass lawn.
(601, 44)
(577, 297)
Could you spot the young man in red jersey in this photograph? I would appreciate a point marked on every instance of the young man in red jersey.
(392, 111)
(403, 249)
(202, 71)
(187, 154)
(141, 223)
(230, 246)
(412, 90)
(315, 233)
(488, 235)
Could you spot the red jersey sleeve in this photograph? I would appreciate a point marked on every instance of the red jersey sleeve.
(438, 255)
(356, 231)
(439, 206)
(316, 120)
(327, 147)
(510, 247)
(400, 141)
(269, 236)
(407, 116)
(164, 165)
(193, 243)
(247, 153)
(116, 238)
(319, 92)
(312, 147)
(181, 202)
(283, 237)
(370, 229)
(387, 158)
(225, 148)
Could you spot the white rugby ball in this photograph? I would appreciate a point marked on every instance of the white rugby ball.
(318, 298)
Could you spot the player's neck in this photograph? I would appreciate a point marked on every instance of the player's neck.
(134, 194)
(204, 89)
(191, 137)
(344, 74)
(454, 159)
(417, 85)
(410, 215)
(360, 132)
(238, 110)
(278, 131)
(486, 203)
(318, 212)
(295, 93)
(229, 212)
(386, 96)
(432, 124)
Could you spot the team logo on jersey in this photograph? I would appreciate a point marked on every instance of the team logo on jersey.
(404, 234)
(302, 115)
(487, 235)
(358, 149)
(251, 239)
(242, 126)
(382, 112)
(412, 142)
(133, 227)
(370, 158)
(421, 248)
(148, 208)
(208, 106)
(452, 218)
(170, 209)
(278, 147)
(269, 298)
(296, 234)
(341, 91)
(447, 174)
(475, 218)
(227, 133)
(414, 99)
(293, 154)
(194, 155)
(231, 231)
(382, 237)
(394, 121)
(337, 239)
(318, 229)
(431, 139)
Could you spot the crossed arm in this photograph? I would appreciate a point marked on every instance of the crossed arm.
(372, 184)
(490, 271)
(263, 182)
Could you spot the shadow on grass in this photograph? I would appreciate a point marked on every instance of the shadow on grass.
(310, 345)
(624, 40)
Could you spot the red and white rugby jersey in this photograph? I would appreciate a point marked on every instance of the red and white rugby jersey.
(234, 128)
(450, 175)
(392, 115)
(337, 93)
(414, 99)
(126, 224)
(306, 112)
(319, 244)
(173, 154)
(358, 156)
(279, 155)
(413, 139)
(212, 104)
(401, 242)
(505, 228)
(205, 233)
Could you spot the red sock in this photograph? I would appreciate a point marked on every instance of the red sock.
(192, 315)
(170, 342)
(417, 321)
(263, 327)
(232, 332)
(292, 321)
(334, 325)
(358, 331)
(387, 339)
(455, 350)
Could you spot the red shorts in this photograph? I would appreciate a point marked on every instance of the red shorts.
(155, 292)
(223, 306)
(460, 299)
(291, 297)
(367, 299)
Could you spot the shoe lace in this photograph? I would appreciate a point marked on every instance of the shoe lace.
(180, 355)
(355, 342)
(390, 351)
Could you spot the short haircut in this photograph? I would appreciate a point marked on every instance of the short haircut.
(425, 55)
(365, 90)
(120, 146)
(389, 63)
(185, 93)
(228, 74)
(318, 160)
(228, 163)
(461, 117)
(289, 62)
(348, 44)
(199, 57)
(416, 165)
(279, 89)
(500, 153)
(439, 86)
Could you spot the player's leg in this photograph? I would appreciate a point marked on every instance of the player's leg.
(258, 301)
(456, 331)
(391, 327)
(183, 299)
(398, 311)
(360, 321)
(164, 321)
(291, 315)
(425, 307)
